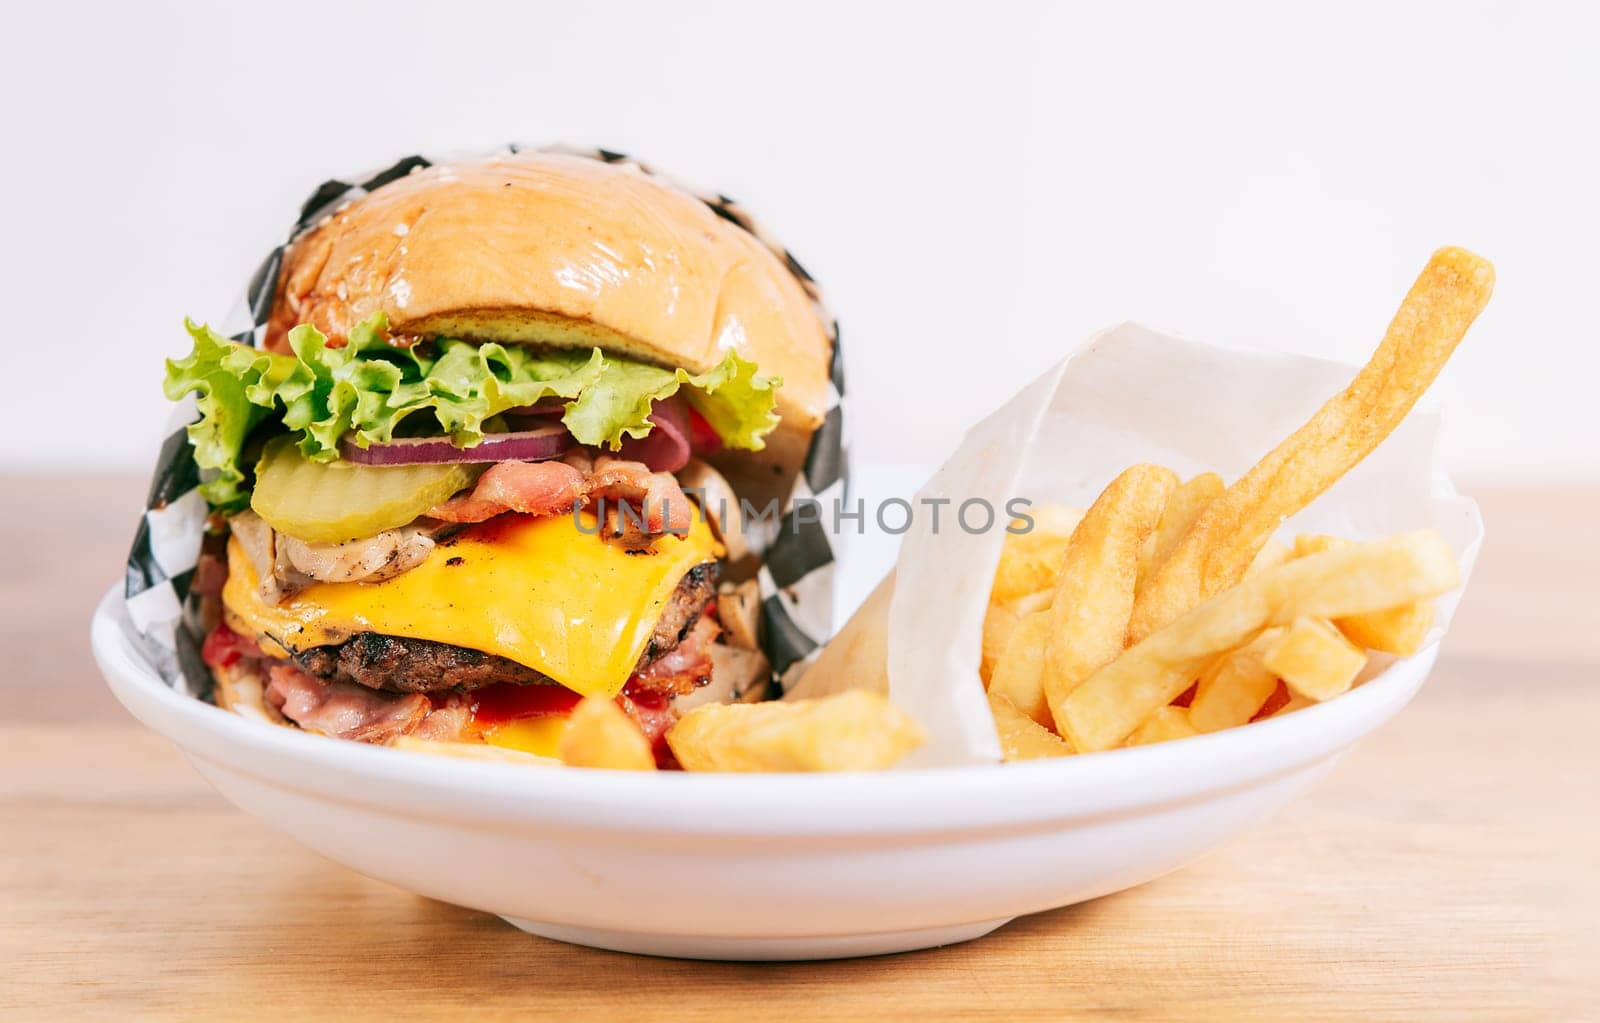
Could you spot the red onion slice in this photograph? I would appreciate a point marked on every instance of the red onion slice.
(666, 447)
(522, 446)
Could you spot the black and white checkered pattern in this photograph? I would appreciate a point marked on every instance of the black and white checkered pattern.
(796, 581)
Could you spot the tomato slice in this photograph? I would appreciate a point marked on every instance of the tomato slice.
(703, 440)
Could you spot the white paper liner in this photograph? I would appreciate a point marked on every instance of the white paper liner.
(1128, 395)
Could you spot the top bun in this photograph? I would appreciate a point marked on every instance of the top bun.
(564, 251)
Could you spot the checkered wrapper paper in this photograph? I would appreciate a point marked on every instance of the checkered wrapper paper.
(797, 577)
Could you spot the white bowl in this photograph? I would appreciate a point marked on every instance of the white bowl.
(756, 866)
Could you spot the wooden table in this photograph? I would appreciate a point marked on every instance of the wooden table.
(1449, 869)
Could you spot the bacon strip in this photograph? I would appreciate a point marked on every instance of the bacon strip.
(533, 488)
(554, 488)
(348, 711)
(665, 507)
(684, 668)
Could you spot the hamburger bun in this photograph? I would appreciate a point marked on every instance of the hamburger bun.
(562, 251)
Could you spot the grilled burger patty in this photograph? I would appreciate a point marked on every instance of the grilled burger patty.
(400, 665)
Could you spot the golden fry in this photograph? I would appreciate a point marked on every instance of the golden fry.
(1092, 602)
(1399, 630)
(1031, 561)
(1236, 687)
(1314, 659)
(601, 734)
(1448, 295)
(1272, 554)
(998, 624)
(1165, 724)
(854, 730)
(1021, 737)
(1019, 674)
(1356, 579)
(1183, 506)
(1053, 650)
(1396, 630)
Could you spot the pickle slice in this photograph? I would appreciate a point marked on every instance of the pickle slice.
(332, 502)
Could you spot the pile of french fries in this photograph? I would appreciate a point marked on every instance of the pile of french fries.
(850, 731)
(1168, 609)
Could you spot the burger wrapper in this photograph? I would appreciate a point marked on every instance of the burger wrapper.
(796, 580)
(1128, 395)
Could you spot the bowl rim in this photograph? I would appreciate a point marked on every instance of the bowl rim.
(918, 801)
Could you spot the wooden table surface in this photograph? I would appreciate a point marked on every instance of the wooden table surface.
(1449, 869)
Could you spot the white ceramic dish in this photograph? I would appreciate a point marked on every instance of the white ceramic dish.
(758, 866)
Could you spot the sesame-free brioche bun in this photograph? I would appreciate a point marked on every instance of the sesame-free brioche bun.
(562, 251)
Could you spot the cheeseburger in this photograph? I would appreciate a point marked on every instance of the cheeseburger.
(490, 455)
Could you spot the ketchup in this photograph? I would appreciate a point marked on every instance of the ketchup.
(507, 701)
(652, 710)
(504, 702)
(223, 647)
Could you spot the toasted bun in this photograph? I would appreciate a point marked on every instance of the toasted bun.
(565, 251)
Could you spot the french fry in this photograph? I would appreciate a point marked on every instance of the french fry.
(1029, 565)
(1362, 577)
(601, 734)
(1314, 659)
(999, 622)
(1272, 554)
(1236, 687)
(1018, 676)
(1399, 630)
(1448, 295)
(1031, 561)
(854, 730)
(1183, 506)
(1021, 737)
(1165, 724)
(1396, 630)
(1053, 650)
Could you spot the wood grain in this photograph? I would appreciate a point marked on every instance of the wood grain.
(1447, 870)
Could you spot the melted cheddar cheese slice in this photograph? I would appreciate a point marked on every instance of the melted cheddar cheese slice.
(540, 591)
(540, 736)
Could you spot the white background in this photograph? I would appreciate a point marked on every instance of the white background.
(977, 187)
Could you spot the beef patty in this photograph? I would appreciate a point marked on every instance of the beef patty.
(400, 665)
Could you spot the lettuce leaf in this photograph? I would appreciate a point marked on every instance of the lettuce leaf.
(737, 403)
(234, 387)
(367, 388)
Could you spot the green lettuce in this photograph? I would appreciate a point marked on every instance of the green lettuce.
(367, 388)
